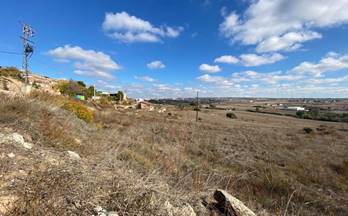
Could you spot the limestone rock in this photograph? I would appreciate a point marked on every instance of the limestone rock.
(100, 211)
(74, 155)
(231, 205)
(16, 138)
(11, 155)
(184, 210)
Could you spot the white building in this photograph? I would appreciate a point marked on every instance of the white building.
(296, 108)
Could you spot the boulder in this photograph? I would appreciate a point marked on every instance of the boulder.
(100, 211)
(74, 155)
(184, 210)
(230, 205)
(16, 138)
(11, 155)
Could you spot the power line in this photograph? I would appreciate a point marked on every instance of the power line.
(10, 53)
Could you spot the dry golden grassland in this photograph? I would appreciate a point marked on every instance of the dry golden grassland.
(132, 161)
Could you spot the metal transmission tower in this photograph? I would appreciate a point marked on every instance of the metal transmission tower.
(28, 49)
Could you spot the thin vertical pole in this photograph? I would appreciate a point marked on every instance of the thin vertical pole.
(25, 56)
(94, 90)
(197, 107)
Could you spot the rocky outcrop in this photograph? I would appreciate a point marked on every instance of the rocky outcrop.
(74, 155)
(100, 211)
(184, 210)
(15, 138)
(230, 205)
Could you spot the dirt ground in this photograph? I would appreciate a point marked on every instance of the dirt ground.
(133, 161)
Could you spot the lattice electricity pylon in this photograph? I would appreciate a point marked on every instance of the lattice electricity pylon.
(28, 48)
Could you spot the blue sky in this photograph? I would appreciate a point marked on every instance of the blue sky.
(173, 48)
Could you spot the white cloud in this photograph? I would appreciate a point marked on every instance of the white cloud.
(210, 79)
(86, 62)
(289, 41)
(227, 59)
(216, 80)
(333, 62)
(126, 28)
(105, 86)
(209, 68)
(154, 65)
(269, 78)
(145, 78)
(251, 73)
(283, 24)
(256, 60)
(274, 84)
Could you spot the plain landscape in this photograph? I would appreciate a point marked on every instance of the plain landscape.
(56, 159)
(174, 108)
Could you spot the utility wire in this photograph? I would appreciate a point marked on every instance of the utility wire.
(10, 53)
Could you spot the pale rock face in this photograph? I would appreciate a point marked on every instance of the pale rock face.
(100, 211)
(232, 204)
(17, 138)
(74, 155)
(11, 155)
(184, 210)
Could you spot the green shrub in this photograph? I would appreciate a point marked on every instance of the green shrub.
(104, 100)
(35, 85)
(72, 88)
(323, 116)
(80, 110)
(231, 115)
(308, 130)
(11, 72)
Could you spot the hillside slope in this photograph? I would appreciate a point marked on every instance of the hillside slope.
(136, 162)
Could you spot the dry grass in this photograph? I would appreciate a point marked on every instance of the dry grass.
(134, 161)
(261, 164)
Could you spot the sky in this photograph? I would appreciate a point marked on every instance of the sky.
(174, 48)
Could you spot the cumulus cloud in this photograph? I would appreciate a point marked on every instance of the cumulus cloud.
(145, 78)
(305, 80)
(248, 60)
(86, 62)
(126, 28)
(227, 59)
(211, 79)
(209, 68)
(289, 41)
(332, 62)
(256, 60)
(282, 24)
(155, 65)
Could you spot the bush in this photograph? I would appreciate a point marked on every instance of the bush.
(72, 88)
(80, 110)
(231, 115)
(11, 72)
(308, 130)
(323, 116)
(104, 100)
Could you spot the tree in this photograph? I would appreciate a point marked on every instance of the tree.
(119, 96)
(81, 83)
(90, 91)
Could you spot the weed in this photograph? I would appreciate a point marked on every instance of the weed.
(231, 115)
(80, 110)
(307, 130)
